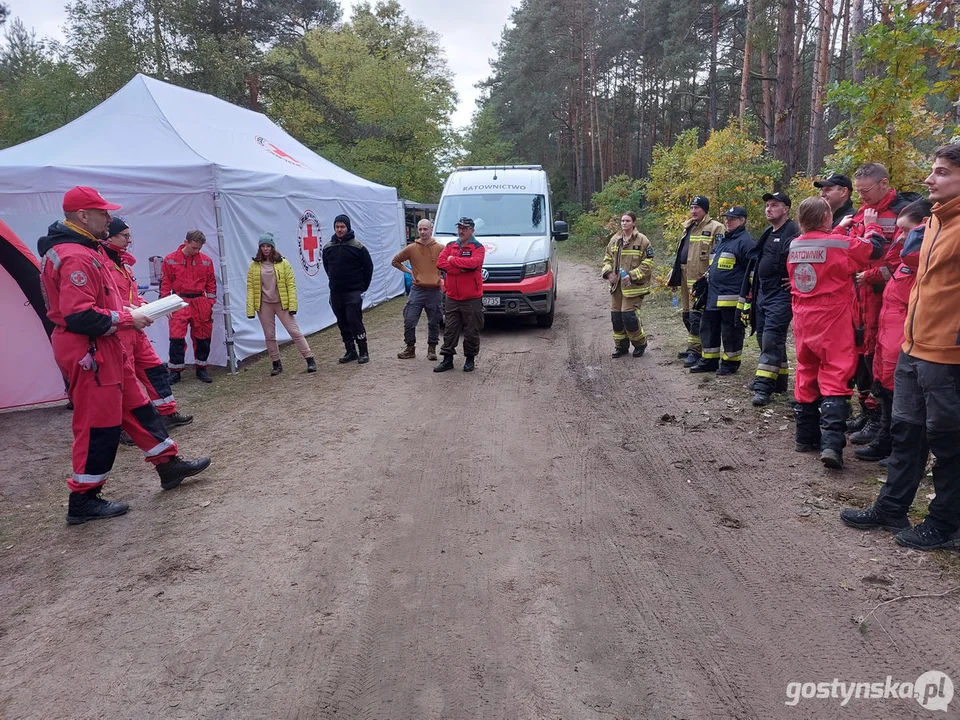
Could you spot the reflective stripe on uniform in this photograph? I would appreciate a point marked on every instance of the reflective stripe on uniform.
(176, 366)
(83, 478)
(727, 300)
(732, 358)
(810, 244)
(52, 257)
(211, 296)
(163, 401)
(768, 371)
(158, 448)
(710, 353)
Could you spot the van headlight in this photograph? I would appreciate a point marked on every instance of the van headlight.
(535, 268)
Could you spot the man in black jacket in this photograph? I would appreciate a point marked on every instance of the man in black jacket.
(771, 288)
(349, 269)
(836, 190)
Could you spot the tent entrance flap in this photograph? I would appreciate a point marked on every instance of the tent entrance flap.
(225, 284)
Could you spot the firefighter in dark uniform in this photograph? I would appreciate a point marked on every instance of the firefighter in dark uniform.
(837, 190)
(771, 292)
(720, 321)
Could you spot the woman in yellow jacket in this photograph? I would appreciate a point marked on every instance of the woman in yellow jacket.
(272, 294)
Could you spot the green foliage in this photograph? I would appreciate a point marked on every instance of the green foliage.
(731, 168)
(888, 118)
(619, 195)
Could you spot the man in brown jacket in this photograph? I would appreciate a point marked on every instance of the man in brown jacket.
(926, 396)
(425, 293)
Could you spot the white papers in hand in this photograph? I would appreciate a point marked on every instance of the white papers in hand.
(163, 306)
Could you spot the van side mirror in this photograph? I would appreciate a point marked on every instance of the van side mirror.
(560, 230)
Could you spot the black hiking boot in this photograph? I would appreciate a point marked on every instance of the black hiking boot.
(203, 375)
(277, 368)
(85, 506)
(468, 363)
(869, 519)
(445, 364)
(350, 355)
(364, 356)
(176, 470)
(311, 365)
(927, 537)
(176, 420)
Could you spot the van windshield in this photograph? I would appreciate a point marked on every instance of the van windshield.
(494, 215)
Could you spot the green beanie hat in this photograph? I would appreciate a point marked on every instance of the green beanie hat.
(266, 238)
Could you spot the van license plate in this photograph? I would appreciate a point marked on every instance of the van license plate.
(490, 301)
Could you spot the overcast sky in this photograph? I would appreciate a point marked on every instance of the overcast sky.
(467, 30)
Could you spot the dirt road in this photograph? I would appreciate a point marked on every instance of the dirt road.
(557, 535)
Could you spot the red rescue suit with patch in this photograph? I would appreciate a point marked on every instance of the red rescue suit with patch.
(193, 279)
(150, 369)
(893, 315)
(88, 311)
(821, 268)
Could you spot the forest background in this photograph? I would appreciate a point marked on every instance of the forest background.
(628, 104)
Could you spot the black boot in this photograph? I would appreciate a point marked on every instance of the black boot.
(870, 430)
(446, 363)
(364, 356)
(639, 350)
(203, 375)
(350, 355)
(833, 422)
(277, 368)
(176, 470)
(705, 366)
(622, 348)
(311, 365)
(881, 445)
(174, 377)
(856, 424)
(691, 359)
(176, 420)
(468, 364)
(85, 506)
(807, 419)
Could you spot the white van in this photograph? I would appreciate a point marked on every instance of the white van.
(513, 212)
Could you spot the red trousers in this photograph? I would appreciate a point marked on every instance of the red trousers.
(104, 401)
(199, 318)
(150, 370)
(826, 352)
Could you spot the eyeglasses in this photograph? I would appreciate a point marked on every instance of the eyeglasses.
(126, 235)
(861, 193)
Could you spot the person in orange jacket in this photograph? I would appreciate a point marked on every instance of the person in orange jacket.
(821, 265)
(926, 396)
(190, 274)
(89, 314)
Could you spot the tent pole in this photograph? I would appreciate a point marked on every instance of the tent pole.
(227, 318)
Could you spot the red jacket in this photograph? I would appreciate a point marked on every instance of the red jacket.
(463, 268)
(82, 301)
(821, 267)
(121, 263)
(188, 276)
(893, 314)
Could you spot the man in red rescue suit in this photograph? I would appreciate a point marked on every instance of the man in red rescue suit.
(88, 311)
(189, 273)
(893, 315)
(878, 215)
(151, 372)
(821, 264)
(461, 261)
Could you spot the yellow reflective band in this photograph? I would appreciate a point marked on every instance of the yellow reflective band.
(726, 303)
(765, 374)
(710, 355)
(732, 358)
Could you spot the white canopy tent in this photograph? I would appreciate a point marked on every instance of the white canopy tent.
(178, 160)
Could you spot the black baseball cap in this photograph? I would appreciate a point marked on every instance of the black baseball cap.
(778, 196)
(466, 222)
(737, 211)
(833, 181)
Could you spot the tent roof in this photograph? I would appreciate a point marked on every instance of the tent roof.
(150, 131)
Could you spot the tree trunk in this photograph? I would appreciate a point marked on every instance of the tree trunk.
(715, 37)
(844, 39)
(818, 90)
(798, 45)
(767, 100)
(856, 31)
(786, 59)
(747, 51)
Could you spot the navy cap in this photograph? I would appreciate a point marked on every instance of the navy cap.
(835, 180)
(779, 197)
(117, 225)
(737, 211)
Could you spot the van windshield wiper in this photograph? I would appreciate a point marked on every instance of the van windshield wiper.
(443, 233)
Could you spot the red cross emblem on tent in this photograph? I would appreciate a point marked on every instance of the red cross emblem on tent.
(277, 152)
(308, 239)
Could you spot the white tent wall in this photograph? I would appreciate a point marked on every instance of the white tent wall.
(244, 218)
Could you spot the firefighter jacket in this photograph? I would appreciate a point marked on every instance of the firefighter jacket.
(728, 268)
(82, 301)
(700, 238)
(122, 264)
(286, 286)
(821, 267)
(932, 331)
(770, 277)
(462, 265)
(634, 255)
(188, 277)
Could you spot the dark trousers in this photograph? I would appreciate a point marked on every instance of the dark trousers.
(462, 316)
(719, 325)
(422, 299)
(348, 309)
(926, 414)
(774, 313)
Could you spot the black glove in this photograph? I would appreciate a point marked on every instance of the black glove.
(699, 292)
(293, 312)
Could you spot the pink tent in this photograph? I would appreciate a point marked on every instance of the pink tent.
(28, 372)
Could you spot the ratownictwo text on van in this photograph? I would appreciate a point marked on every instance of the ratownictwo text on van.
(513, 215)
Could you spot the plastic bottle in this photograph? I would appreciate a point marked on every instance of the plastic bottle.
(624, 278)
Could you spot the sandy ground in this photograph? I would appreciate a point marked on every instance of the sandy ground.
(557, 535)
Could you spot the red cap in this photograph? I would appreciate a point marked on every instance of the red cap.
(85, 198)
